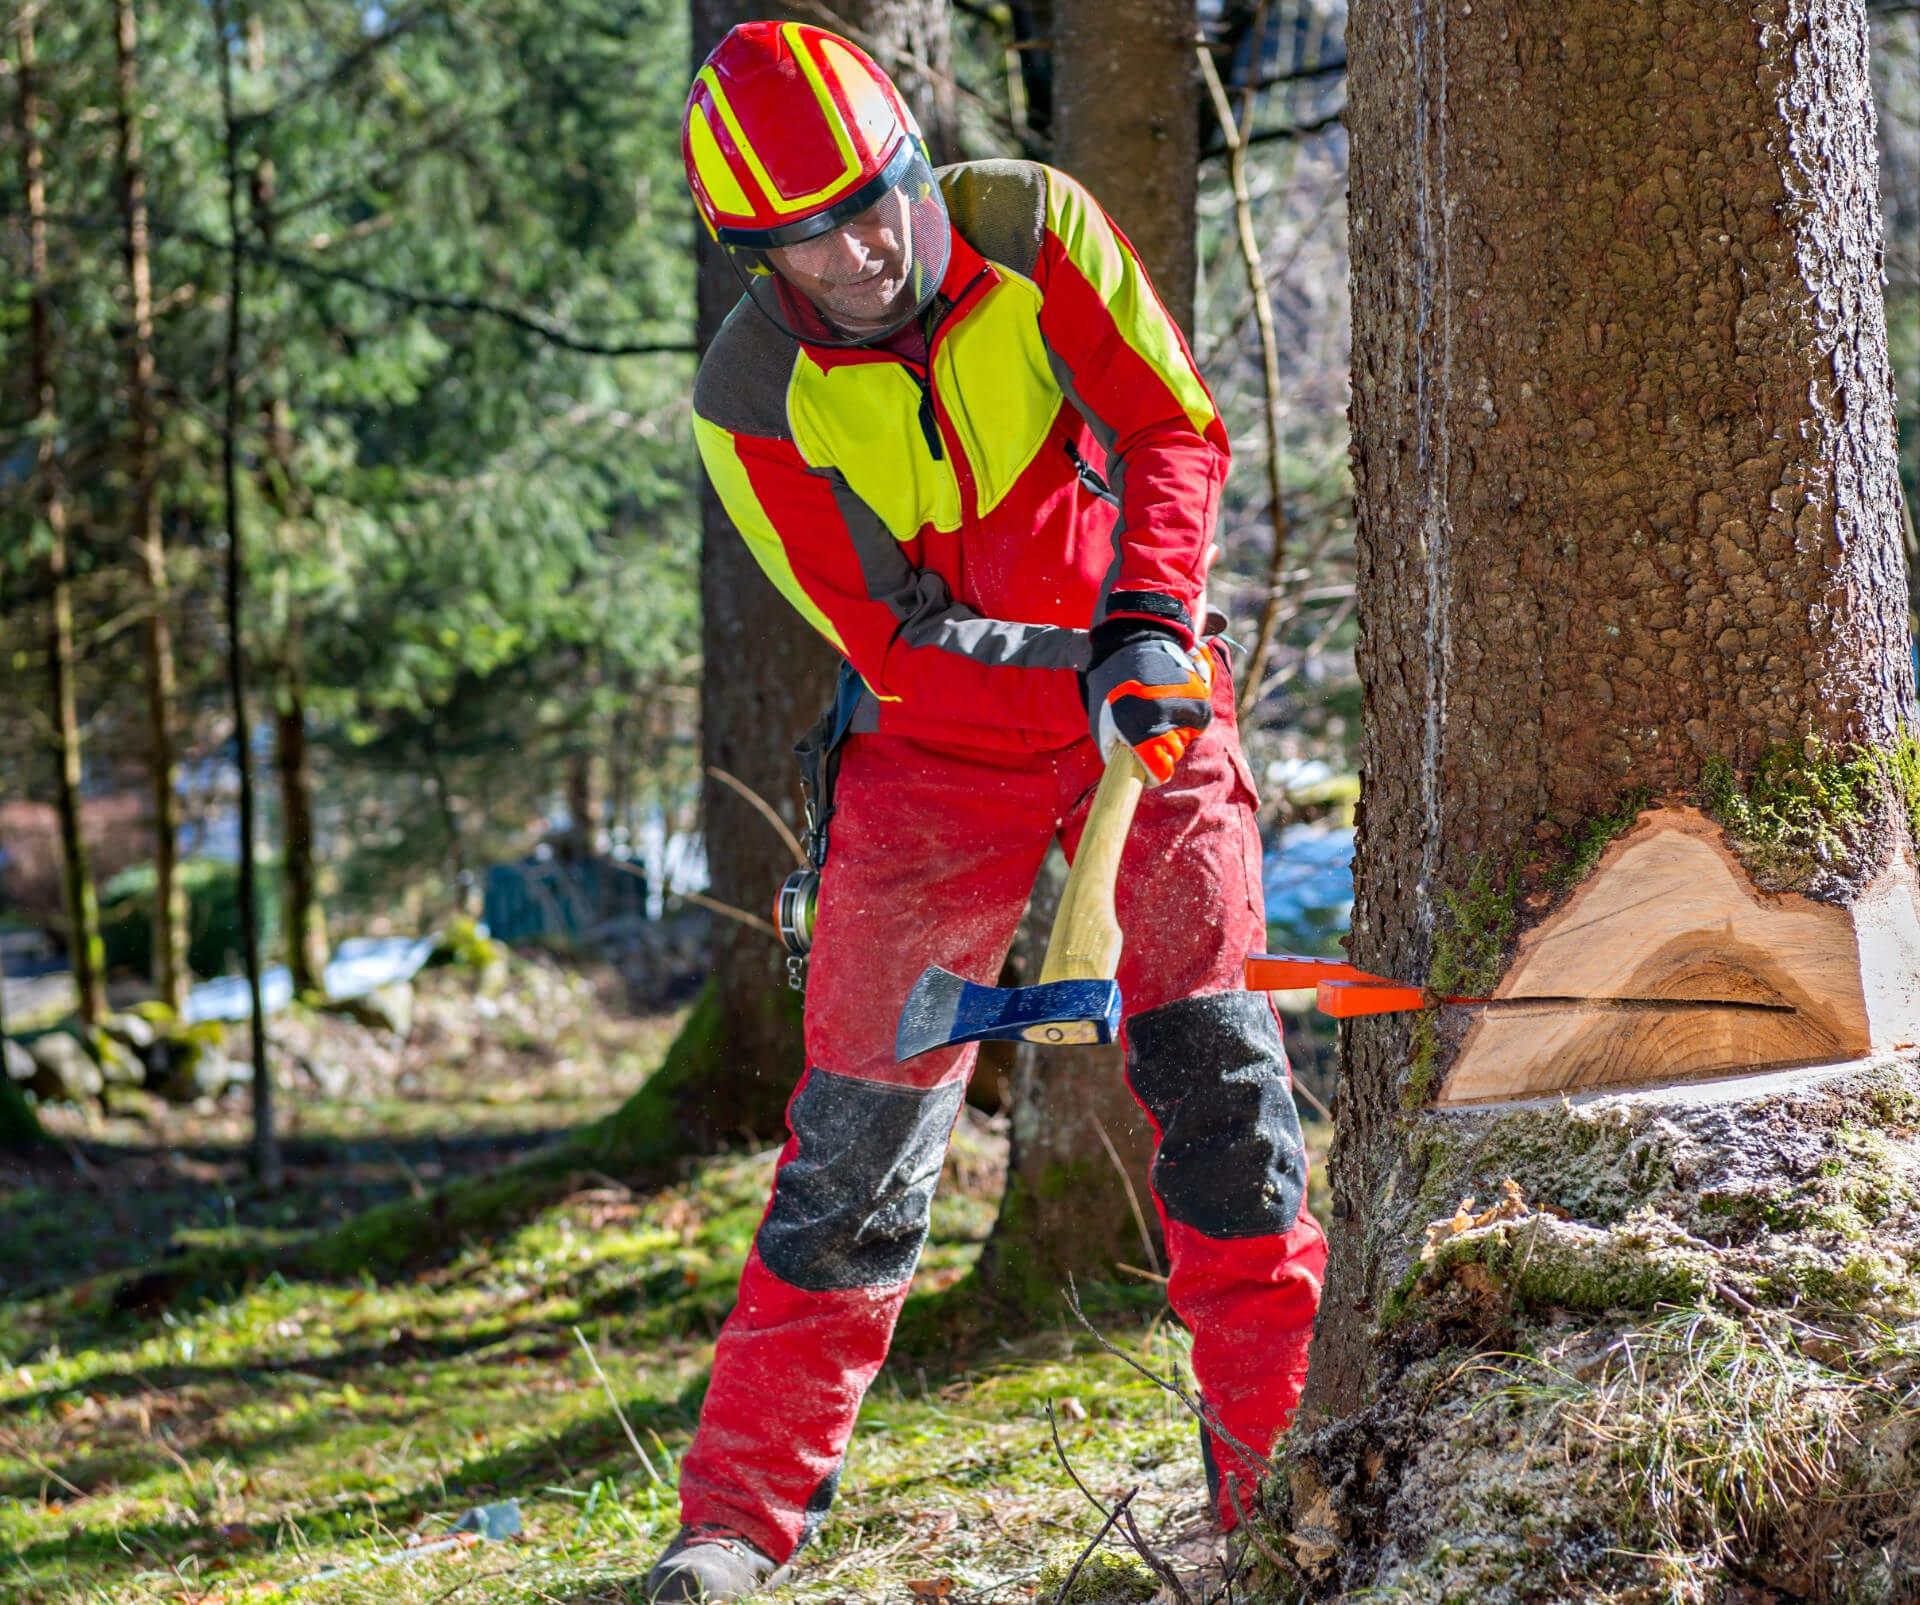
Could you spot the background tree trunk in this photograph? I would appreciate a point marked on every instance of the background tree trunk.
(1067, 1210)
(305, 917)
(1625, 471)
(85, 953)
(1125, 114)
(169, 896)
(904, 34)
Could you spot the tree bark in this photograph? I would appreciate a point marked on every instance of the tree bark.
(265, 1154)
(905, 33)
(1124, 110)
(85, 953)
(306, 917)
(169, 896)
(1077, 1201)
(1125, 115)
(1628, 511)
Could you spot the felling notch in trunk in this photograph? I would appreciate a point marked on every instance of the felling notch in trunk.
(1668, 964)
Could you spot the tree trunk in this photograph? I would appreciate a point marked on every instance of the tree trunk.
(583, 800)
(766, 676)
(1075, 1204)
(306, 918)
(1125, 116)
(265, 1154)
(169, 896)
(86, 955)
(1629, 549)
(905, 34)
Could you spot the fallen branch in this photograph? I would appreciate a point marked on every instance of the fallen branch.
(1199, 1408)
(1106, 1527)
(1133, 1198)
(1119, 1513)
(766, 809)
(1246, 1526)
(618, 1414)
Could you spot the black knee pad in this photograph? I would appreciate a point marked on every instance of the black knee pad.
(850, 1208)
(1213, 1074)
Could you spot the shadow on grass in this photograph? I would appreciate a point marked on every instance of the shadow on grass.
(125, 1212)
(959, 1322)
(593, 1445)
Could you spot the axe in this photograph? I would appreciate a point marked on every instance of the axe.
(1076, 998)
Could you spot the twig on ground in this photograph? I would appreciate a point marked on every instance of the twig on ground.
(1133, 1198)
(619, 1414)
(1134, 1270)
(1120, 1512)
(1246, 1526)
(1053, 1426)
(1161, 1568)
(1106, 1526)
(39, 1465)
(1201, 1410)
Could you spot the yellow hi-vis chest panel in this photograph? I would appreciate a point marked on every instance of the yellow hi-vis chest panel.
(991, 378)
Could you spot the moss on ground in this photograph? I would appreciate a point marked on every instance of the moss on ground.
(301, 1425)
(1106, 1577)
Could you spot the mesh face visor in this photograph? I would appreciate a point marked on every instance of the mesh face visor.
(859, 271)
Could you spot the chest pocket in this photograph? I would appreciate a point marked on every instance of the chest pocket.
(992, 376)
(863, 418)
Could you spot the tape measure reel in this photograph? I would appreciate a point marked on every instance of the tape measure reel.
(793, 912)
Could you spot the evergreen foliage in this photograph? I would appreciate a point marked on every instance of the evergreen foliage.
(472, 524)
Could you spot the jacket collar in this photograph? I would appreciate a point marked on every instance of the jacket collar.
(968, 277)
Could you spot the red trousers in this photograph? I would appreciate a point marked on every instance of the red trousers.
(933, 854)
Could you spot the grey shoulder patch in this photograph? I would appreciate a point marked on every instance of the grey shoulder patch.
(1000, 209)
(742, 385)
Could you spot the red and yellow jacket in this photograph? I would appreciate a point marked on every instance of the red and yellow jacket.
(955, 528)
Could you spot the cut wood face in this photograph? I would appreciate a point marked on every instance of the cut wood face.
(1668, 964)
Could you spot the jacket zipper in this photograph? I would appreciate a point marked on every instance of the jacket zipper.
(929, 424)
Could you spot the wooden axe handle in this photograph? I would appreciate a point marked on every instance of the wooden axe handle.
(1085, 944)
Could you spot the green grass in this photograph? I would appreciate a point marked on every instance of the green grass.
(300, 1426)
(224, 1436)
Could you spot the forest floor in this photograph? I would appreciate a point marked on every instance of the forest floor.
(324, 1438)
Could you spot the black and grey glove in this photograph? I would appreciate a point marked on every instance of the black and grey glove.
(1146, 687)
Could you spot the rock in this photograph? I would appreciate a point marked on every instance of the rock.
(130, 1029)
(63, 1070)
(190, 1064)
(385, 1008)
(119, 1065)
(20, 1065)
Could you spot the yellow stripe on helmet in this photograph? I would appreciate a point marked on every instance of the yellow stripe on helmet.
(716, 176)
(788, 205)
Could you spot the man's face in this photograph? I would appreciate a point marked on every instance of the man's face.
(859, 275)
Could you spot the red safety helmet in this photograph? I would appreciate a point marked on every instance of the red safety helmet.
(811, 173)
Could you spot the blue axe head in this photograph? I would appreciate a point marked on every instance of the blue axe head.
(943, 1010)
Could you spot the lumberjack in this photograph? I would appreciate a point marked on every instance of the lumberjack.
(962, 436)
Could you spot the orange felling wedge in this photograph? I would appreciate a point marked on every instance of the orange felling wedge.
(1348, 1000)
(1286, 972)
